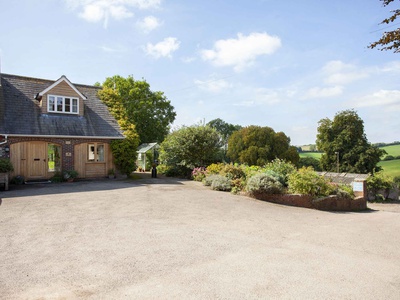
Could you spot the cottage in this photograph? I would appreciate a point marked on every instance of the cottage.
(48, 126)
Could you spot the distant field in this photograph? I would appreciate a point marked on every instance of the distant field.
(392, 150)
(316, 155)
(391, 167)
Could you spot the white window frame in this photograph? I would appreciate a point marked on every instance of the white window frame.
(63, 104)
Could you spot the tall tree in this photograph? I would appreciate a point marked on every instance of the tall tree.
(134, 102)
(190, 147)
(390, 40)
(225, 130)
(345, 145)
(255, 145)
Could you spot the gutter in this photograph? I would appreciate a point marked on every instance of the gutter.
(6, 139)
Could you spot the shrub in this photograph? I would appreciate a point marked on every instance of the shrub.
(233, 172)
(264, 183)
(215, 168)
(281, 167)
(397, 157)
(307, 181)
(345, 191)
(389, 157)
(209, 179)
(396, 181)
(6, 165)
(380, 182)
(198, 174)
(221, 183)
(175, 171)
(237, 185)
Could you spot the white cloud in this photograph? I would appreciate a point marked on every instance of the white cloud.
(214, 86)
(389, 99)
(339, 73)
(102, 10)
(262, 97)
(188, 59)
(318, 92)
(243, 51)
(149, 24)
(164, 48)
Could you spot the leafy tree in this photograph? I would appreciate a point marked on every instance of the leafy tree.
(190, 147)
(344, 139)
(390, 40)
(133, 101)
(255, 145)
(225, 130)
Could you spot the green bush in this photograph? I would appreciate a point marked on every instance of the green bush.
(233, 171)
(175, 171)
(389, 157)
(209, 179)
(281, 167)
(380, 182)
(6, 165)
(345, 191)
(215, 168)
(306, 181)
(221, 183)
(198, 174)
(396, 181)
(264, 183)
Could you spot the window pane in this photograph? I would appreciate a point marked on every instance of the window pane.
(59, 104)
(67, 102)
(91, 152)
(51, 103)
(100, 152)
(74, 105)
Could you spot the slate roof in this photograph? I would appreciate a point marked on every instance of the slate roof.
(345, 178)
(20, 113)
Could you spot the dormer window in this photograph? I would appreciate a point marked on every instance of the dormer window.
(61, 104)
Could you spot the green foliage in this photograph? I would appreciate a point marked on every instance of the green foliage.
(124, 152)
(344, 191)
(310, 162)
(175, 171)
(380, 182)
(307, 181)
(388, 157)
(135, 103)
(255, 145)
(344, 140)
(264, 184)
(190, 147)
(396, 181)
(390, 40)
(393, 150)
(233, 172)
(6, 165)
(221, 183)
(207, 181)
(281, 167)
(215, 168)
(70, 174)
(57, 178)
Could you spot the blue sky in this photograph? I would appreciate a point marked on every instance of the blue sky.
(283, 64)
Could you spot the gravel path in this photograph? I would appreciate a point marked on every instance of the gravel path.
(175, 239)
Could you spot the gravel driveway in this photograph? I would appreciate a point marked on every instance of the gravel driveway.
(175, 239)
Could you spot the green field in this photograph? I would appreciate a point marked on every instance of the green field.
(393, 150)
(391, 167)
(316, 155)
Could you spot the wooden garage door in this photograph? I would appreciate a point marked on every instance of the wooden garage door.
(37, 162)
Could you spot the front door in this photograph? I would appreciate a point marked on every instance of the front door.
(37, 162)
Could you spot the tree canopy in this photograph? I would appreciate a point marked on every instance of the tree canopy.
(343, 139)
(133, 102)
(255, 145)
(190, 147)
(224, 129)
(390, 40)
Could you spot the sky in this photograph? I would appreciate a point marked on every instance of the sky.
(282, 64)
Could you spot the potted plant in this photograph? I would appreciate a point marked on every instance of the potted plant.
(5, 167)
(70, 175)
(111, 173)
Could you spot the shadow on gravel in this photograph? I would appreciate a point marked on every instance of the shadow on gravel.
(141, 179)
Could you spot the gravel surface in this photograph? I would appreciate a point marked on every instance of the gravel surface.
(175, 239)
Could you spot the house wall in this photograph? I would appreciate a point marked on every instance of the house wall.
(73, 156)
(62, 89)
